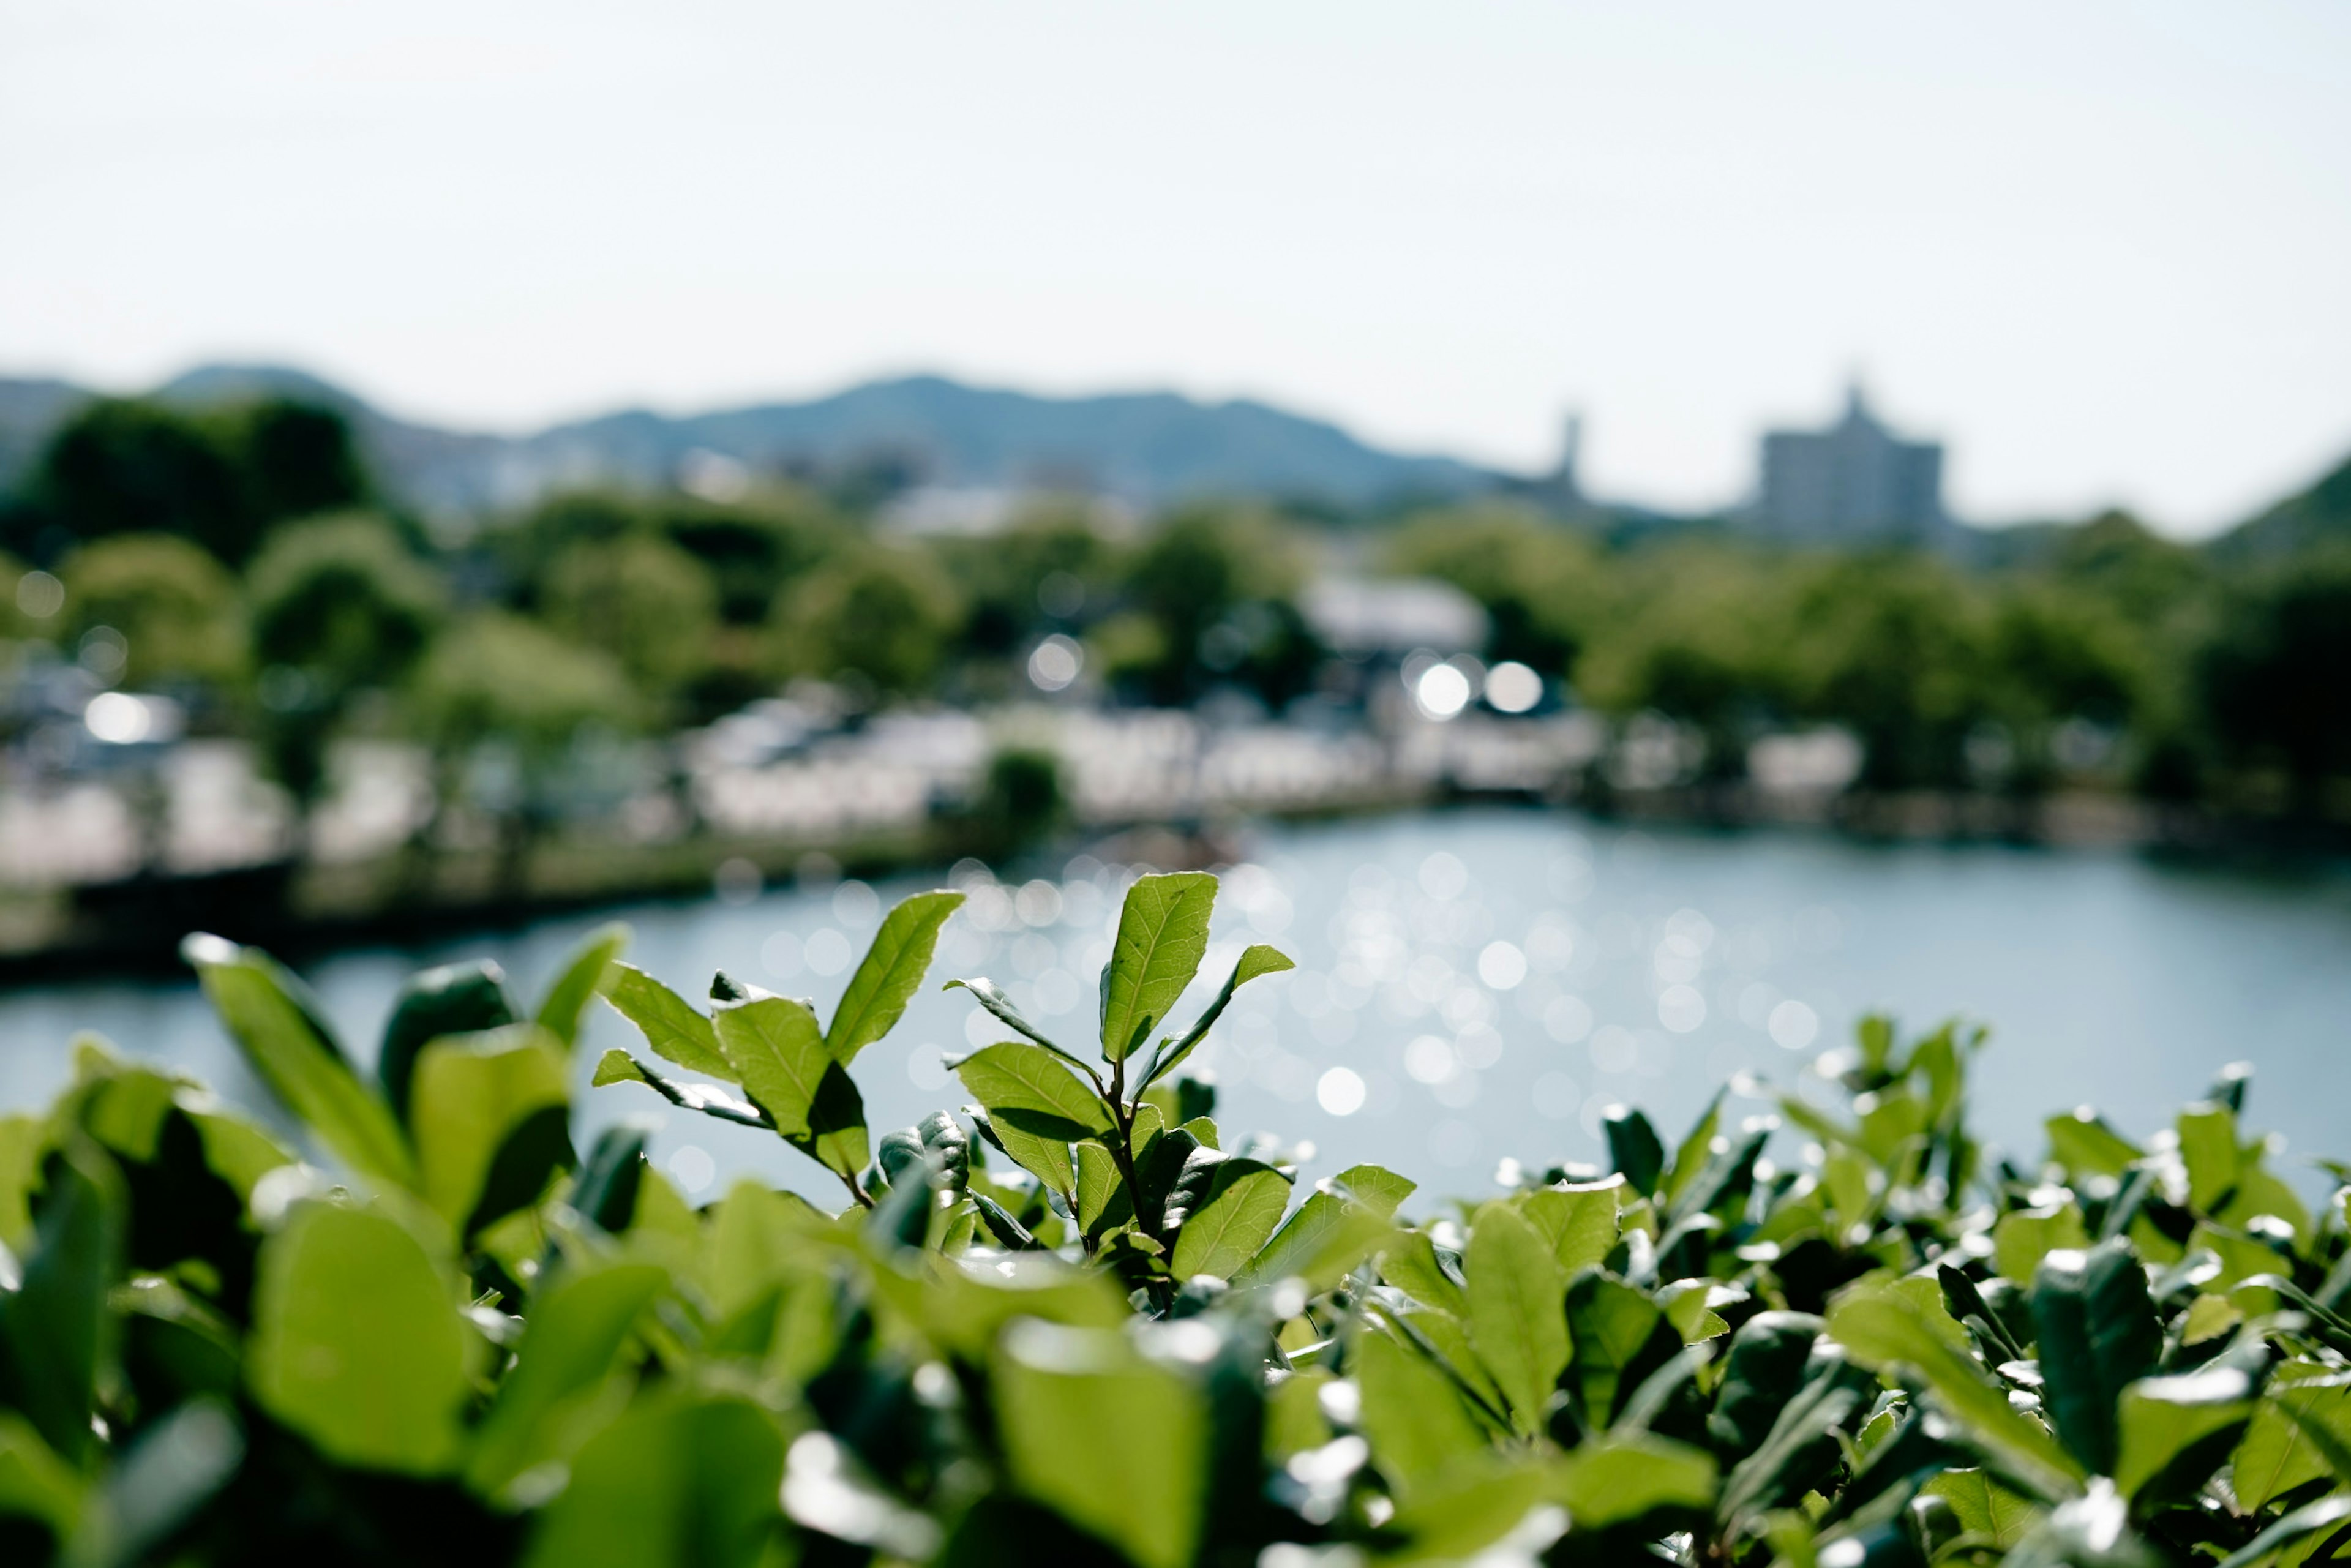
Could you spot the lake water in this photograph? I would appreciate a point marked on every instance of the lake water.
(1475, 984)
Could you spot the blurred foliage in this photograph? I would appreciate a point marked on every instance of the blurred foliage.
(179, 610)
(1076, 1321)
(219, 478)
(879, 617)
(225, 547)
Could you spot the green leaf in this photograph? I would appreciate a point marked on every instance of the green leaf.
(682, 1480)
(2276, 1454)
(2097, 1331)
(1417, 1425)
(1143, 1493)
(1887, 1324)
(1377, 1188)
(34, 1482)
(1635, 1149)
(2167, 1420)
(1101, 1197)
(990, 996)
(583, 977)
(1692, 1153)
(1244, 1204)
(357, 1341)
(2086, 1145)
(478, 1097)
(289, 1049)
(778, 1055)
(578, 1327)
(892, 971)
(2208, 1146)
(1624, 1477)
(1795, 1453)
(456, 998)
(1409, 1262)
(1162, 934)
(1254, 961)
(2023, 1239)
(1609, 1324)
(1988, 1513)
(1762, 1374)
(2300, 1525)
(1579, 1221)
(59, 1335)
(23, 1137)
(672, 1027)
(1517, 1316)
(1037, 1106)
(177, 1463)
(1323, 1239)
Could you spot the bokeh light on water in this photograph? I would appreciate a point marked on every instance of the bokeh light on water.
(1483, 984)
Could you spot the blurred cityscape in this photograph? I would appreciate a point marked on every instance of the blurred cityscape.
(273, 657)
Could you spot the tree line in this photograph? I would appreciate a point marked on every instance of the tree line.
(243, 561)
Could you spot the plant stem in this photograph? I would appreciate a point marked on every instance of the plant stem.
(1121, 1148)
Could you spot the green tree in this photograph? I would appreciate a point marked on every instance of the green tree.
(1217, 584)
(300, 460)
(1892, 647)
(176, 606)
(339, 606)
(642, 600)
(1543, 584)
(123, 466)
(2274, 678)
(496, 680)
(882, 613)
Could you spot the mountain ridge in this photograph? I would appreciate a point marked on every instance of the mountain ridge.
(1148, 448)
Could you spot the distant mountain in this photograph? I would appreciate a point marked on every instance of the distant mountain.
(2320, 515)
(1148, 448)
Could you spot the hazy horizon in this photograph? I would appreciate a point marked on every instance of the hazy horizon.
(2097, 252)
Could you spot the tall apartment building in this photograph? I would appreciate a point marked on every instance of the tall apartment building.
(1854, 483)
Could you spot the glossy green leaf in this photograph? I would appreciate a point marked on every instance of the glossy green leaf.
(1377, 1188)
(682, 1480)
(1163, 935)
(1902, 1322)
(59, 1336)
(545, 1405)
(1516, 1315)
(1254, 961)
(2277, 1455)
(778, 1055)
(1243, 1206)
(357, 1341)
(1141, 1493)
(1761, 1372)
(2086, 1145)
(1609, 1324)
(2097, 1333)
(1320, 1242)
(890, 973)
(1630, 1475)
(2162, 1418)
(1410, 1263)
(1988, 1513)
(674, 1030)
(1416, 1422)
(476, 1097)
(1635, 1150)
(1692, 1153)
(1580, 1221)
(2023, 1239)
(272, 1021)
(1037, 1106)
(2309, 1519)
(35, 1483)
(585, 976)
(452, 999)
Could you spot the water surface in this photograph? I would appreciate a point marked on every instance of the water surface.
(1491, 979)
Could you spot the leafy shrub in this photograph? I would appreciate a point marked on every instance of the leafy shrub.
(1075, 1322)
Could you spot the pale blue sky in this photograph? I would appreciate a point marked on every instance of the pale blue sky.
(2101, 247)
